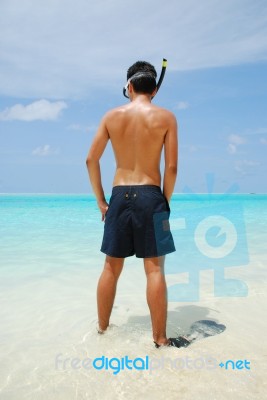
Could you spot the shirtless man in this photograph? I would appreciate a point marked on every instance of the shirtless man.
(136, 218)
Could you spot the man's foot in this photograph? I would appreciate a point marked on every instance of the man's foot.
(102, 331)
(175, 342)
(99, 330)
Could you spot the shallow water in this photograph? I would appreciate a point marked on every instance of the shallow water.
(50, 264)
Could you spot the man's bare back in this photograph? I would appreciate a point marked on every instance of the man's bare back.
(138, 132)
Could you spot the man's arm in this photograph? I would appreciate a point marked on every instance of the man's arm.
(97, 148)
(171, 157)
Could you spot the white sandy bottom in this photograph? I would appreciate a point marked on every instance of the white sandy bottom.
(50, 320)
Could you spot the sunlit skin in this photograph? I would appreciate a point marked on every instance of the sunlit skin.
(138, 132)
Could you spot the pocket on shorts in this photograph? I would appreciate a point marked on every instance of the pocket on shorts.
(112, 198)
(113, 202)
(167, 203)
(159, 196)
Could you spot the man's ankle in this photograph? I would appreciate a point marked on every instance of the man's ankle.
(101, 329)
(161, 341)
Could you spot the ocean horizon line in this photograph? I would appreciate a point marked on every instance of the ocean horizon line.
(109, 193)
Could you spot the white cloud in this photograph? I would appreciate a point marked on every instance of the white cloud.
(75, 127)
(244, 165)
(67, 48)
(259, 131)
(82, 128)
(231, 148)
(234, 142)
(38, 110)
(236, 139)
(182, 105)
(44, 151)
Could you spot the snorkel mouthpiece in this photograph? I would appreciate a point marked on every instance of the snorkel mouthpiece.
(163, 70)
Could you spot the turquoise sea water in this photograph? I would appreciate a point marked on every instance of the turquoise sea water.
(42, 235)
(49, 266)
(58, 230)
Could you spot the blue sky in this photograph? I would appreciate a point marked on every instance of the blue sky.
(63, 65)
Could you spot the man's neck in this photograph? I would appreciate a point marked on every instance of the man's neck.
(141, 98)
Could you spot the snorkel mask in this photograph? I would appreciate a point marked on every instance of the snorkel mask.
(163, 70)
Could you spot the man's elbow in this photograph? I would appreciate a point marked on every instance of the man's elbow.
(90, 161)
(172, 169)
(87, 161)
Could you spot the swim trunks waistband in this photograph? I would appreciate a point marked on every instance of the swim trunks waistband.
(118, 188)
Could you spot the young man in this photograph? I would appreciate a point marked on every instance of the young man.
(136, 218)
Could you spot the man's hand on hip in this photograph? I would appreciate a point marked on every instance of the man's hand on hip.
(103, 207)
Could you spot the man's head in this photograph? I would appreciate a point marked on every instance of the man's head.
(142, 75)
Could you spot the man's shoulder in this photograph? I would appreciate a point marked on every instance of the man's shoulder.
(164, 112)
(115, 111)
(156, 110)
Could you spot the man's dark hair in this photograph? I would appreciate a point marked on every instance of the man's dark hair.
(143, 77)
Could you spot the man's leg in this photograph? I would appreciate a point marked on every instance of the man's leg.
(106, 289)
(157, 297)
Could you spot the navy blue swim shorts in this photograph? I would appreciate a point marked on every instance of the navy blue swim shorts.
(137, 222)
